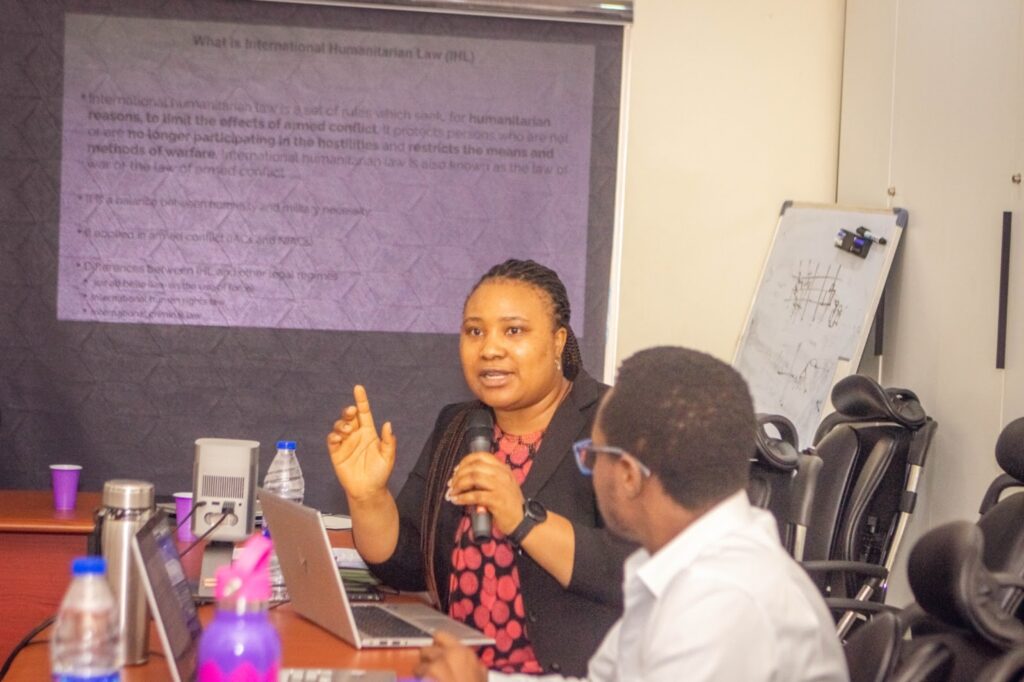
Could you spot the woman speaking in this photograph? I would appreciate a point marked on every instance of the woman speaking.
(547, 584)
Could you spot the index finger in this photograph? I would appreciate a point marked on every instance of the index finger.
(363, 407)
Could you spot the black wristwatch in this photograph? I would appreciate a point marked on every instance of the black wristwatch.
(533, 513)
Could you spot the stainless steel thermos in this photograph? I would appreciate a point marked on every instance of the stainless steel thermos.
(127, 505)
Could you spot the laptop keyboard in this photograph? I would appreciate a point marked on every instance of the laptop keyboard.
(377, 622)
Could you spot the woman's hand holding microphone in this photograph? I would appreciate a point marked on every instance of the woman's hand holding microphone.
(480, 479)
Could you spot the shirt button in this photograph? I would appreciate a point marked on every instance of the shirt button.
(532, 616)
(556, 667)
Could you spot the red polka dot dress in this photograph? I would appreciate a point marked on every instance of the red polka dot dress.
(484, 583)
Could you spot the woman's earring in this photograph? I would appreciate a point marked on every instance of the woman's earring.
(558, 365)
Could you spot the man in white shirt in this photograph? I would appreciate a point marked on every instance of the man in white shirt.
(711, 594)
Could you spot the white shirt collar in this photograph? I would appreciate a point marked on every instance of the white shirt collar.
(657, 571)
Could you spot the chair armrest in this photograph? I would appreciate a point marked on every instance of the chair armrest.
(995, 489)
(837, 604)
(857, 567)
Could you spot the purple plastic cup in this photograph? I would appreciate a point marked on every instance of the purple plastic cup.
(182, 508)
(65, 485)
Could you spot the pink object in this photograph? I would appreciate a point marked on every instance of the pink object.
(241, 644)
(182, 509)
(247, 672)
(248, 576)
(65, 485)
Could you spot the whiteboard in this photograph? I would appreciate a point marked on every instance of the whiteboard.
(813, 309)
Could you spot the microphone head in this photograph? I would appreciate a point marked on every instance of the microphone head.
(480, 418)
(479, 430)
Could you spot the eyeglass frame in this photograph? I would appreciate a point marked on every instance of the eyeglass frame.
(588, 444)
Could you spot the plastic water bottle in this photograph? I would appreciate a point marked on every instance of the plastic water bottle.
(278, 590)
(85, 639)
(284, 478)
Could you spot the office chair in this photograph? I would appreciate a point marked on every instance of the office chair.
(783, 480)
(872, 653)
(1007, 668)
(1002, 520)
(958, 622)
(872, 448)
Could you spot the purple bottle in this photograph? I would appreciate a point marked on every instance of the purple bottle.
(241, 645)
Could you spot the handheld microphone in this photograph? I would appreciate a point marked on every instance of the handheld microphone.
(479, 438)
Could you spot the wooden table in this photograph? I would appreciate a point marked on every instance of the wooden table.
(304, 644)
(37, 545)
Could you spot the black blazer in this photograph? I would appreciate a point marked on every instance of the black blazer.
(565, 626)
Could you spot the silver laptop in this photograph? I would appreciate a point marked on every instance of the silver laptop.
(174, 612)
(317, 593)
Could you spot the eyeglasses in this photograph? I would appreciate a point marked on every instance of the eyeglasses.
(586, 455)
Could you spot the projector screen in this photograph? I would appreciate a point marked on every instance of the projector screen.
(271, 176)
(219, 216)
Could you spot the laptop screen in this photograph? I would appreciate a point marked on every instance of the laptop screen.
(169, 594)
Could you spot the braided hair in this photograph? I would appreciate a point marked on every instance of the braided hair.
(442, 463)
(547, 280)
(450, 445)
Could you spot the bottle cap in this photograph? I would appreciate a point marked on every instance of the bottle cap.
(290, 445)
(248, 576)
(282, 445)
(89, 565)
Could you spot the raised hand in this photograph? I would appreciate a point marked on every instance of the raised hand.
(362, 459)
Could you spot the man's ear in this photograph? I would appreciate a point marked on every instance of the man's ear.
(632, 478)
(633, 481)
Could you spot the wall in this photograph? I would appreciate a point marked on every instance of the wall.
(931, 104)
(733, 108)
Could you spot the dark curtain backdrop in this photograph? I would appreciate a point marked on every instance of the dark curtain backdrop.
(128, 400)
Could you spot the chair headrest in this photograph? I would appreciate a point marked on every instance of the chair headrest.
(1010, 449)
(950, 582)
(861, 397)
(778, 452)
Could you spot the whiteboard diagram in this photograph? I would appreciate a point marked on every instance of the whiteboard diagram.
(813, 308)
(815, 293)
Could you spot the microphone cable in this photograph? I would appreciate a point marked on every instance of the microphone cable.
(25, 641)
